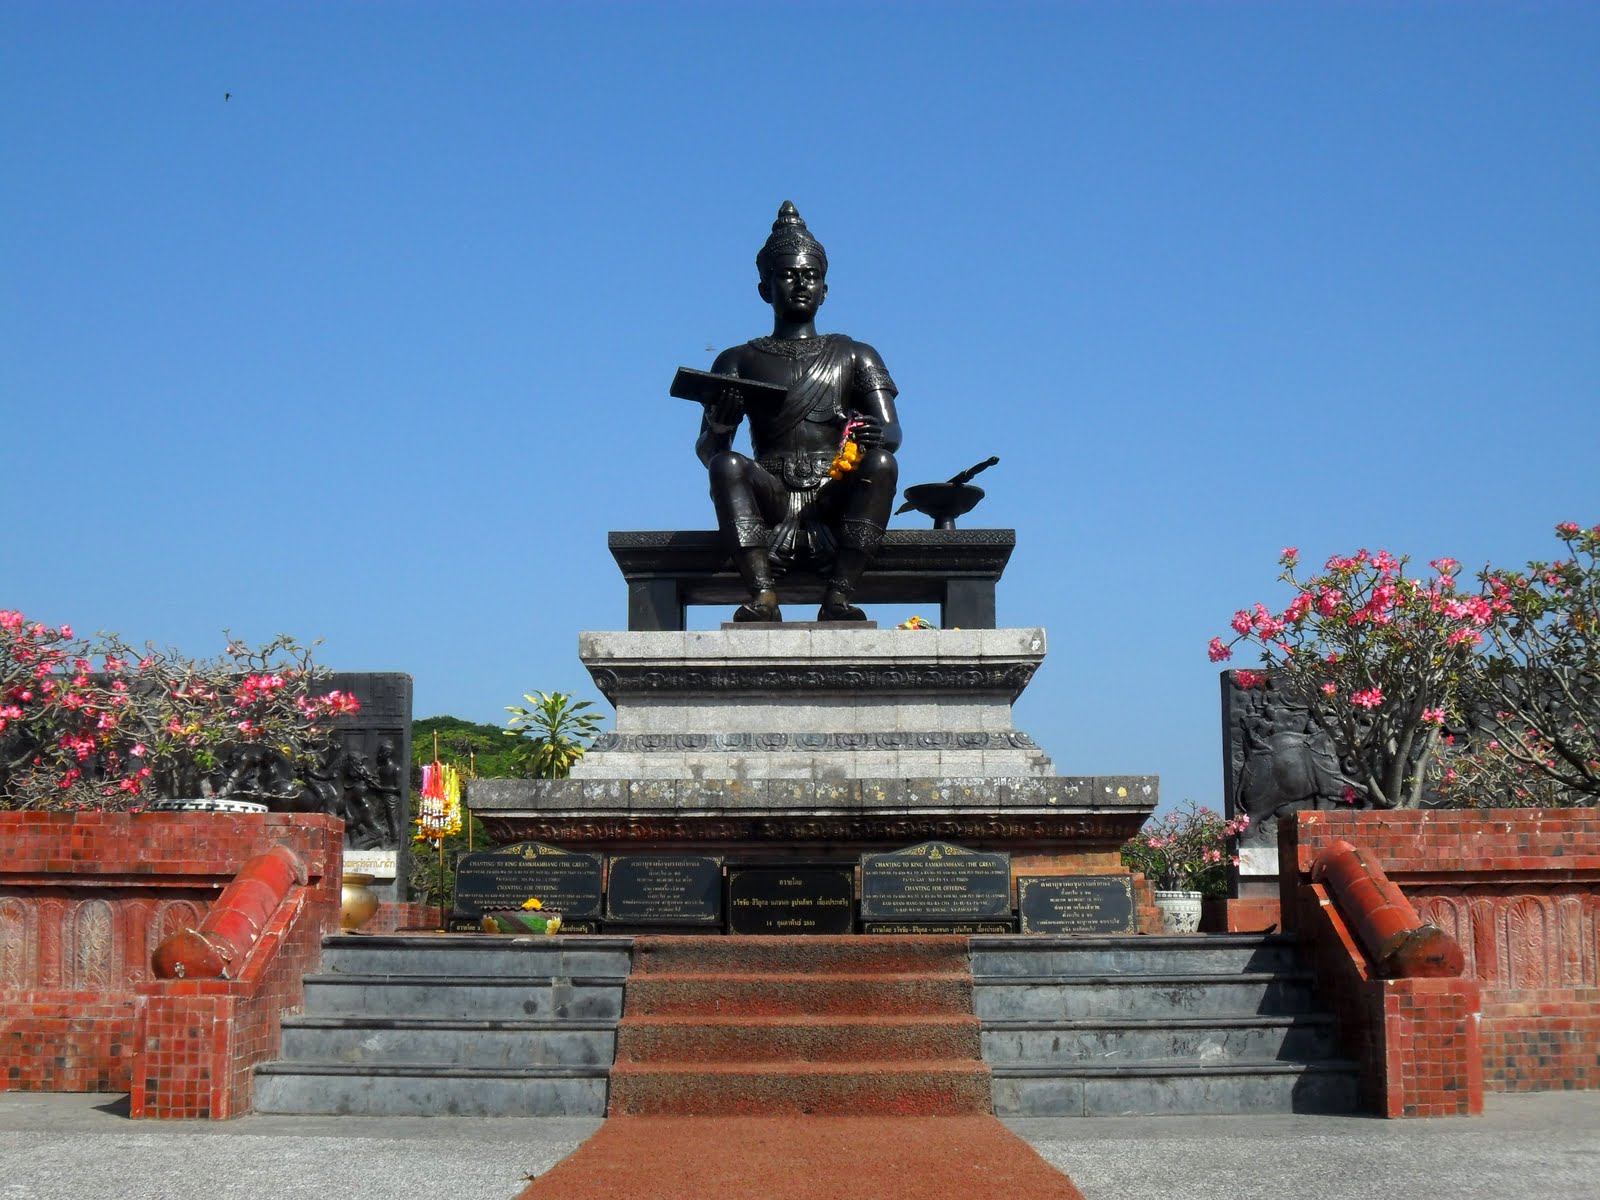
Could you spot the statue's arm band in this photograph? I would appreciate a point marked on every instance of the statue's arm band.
(874, 379)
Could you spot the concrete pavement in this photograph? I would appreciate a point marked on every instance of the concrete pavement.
(83, 1147)
(1544, 1146)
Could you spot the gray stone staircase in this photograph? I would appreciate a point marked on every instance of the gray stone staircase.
(452, 1026)
(1112, 1026)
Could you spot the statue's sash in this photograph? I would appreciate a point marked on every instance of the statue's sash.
(816, 395)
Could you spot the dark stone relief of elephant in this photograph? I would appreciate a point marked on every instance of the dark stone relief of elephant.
(1276, 761)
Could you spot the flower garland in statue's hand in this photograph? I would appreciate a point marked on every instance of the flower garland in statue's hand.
(849, 452)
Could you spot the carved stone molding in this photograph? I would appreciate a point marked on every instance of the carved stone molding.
(810, 742)
(624, 682)
(892, 828)
(51, 918)
(1450, 914)
(1054, 795)
(171, 916)
(17, 968)
(1522, 940)
(94, 949)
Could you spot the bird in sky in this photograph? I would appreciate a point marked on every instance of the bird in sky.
(226, 96)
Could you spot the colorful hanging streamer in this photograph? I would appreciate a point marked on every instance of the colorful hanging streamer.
(439, 805)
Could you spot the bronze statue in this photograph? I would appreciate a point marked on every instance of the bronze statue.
(789, 507)
(388, 787)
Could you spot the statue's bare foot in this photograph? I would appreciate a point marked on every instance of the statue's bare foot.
(763, 606)
(836, 606)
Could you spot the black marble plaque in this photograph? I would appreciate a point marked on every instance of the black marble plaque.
(564, 881)
(1081, 904)
(664, 889)
(802, 898)
(936, 881)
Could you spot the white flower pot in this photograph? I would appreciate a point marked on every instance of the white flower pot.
(1180, 911)
(211, 804)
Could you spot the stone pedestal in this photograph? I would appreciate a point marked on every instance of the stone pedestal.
(824, 742)
(821, 704)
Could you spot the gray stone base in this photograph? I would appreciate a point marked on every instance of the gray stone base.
(1020, 813)
(760, 741)
(820, 703)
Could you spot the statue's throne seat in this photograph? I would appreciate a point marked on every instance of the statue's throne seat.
(956, 569)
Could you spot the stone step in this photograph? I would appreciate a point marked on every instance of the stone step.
(1300, 1038)
(475, 954)
(467, 996)
(1177, 955)
(929, 1088)
(854, 955)
(428, 1090)
(1046, 997)
(450, 1042)
(1173, 1089)
(798, 1038)
(780, 995)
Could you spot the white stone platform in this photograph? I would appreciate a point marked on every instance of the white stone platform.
(822, 704)
(818, 742)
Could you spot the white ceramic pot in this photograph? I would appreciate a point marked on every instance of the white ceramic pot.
(1180, 911)
(216, 804)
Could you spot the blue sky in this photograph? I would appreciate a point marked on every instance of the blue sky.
(377, 350)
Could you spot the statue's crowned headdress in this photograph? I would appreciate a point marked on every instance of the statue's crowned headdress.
(789, 236)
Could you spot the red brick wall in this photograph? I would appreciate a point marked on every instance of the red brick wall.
(84, 900)
(1520, 890)
(199, 1040)
(1253, 915)
(403, 918)
(1416, 1041)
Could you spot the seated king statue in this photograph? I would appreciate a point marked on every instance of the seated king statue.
(788, 507)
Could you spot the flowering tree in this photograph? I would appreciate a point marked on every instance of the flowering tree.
(98, 723)
(1186, 849)
(1539, 694)
(1377, 657)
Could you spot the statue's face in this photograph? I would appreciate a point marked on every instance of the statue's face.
(794, 286)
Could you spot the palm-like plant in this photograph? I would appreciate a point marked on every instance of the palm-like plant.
(555, 732)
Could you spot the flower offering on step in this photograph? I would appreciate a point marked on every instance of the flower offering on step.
(520, 921)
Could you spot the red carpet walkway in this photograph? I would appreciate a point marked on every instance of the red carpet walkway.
(803, 1158)
(787, 1068)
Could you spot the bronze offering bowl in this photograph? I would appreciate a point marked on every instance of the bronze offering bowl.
(944, 502)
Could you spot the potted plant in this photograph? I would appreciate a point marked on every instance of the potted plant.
(1185, 855)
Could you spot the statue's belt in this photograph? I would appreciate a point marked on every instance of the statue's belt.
(799, 472)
